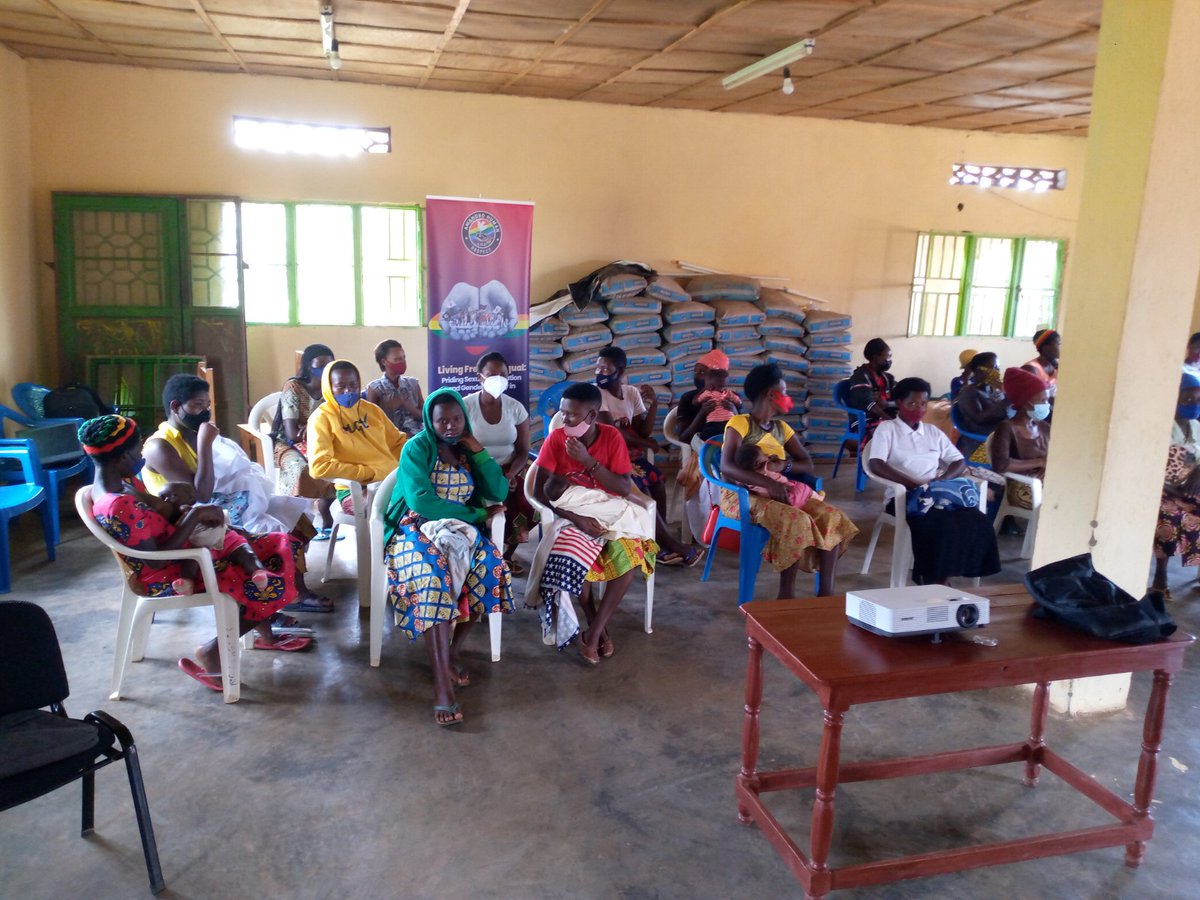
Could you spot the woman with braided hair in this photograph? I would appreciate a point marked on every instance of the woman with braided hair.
(135, 519)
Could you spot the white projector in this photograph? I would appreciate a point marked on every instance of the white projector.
(922, 609)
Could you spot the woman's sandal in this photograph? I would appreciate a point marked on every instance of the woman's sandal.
(313, 604)
(460, 676)
(324, 534)
(695, 555)
(606, 646)
(211, 680)
(588, 655)
(670, 559)
(452, 709)
(286, 644)
(517, 569)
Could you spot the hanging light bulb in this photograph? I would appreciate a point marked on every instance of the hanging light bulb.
(335, 59)
(788, 87)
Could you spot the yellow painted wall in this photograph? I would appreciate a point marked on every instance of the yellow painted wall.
(19, 338)
(833, 205)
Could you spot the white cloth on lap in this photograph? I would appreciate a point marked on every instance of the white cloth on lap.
(244, 490)
(455, 541)
(210, 536)
(622, 517)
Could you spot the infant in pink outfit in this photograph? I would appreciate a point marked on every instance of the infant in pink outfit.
(751, 458)
(721, 412)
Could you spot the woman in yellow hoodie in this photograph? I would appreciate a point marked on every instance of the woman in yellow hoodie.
(349, 437)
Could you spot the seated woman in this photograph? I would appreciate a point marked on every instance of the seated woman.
(1045, 365)
(578, 550)
(443, 570)
(1178, 529)
(964, 363)
(397, 394)
(300, 395)
(871, 385)
(807, 538)
(501, 425)
(631, 411)
(350, 438)
(946, 542)
(981, 404)
(1020, 444)
(698, 420)
(259, 574)
(188, 447)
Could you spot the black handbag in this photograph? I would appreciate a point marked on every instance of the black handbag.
(1072, 592)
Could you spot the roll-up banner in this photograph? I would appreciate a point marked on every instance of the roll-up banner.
(479, 256)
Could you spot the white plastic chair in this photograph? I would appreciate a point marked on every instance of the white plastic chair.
(597, 587)
(1020, 512)
(258, 428)
(379, 574)
(137, 612)
(685, 455)
(902, 556)
(361, 503)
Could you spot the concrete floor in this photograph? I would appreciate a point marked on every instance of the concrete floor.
(329, 778)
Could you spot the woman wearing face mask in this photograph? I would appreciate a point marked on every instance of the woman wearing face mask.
(300, 395)
(981, 404)
(395, 393)
(953, 541)
(443, 570)
(1045, 365)
(802, 539)
(350, 438)
(1020, 444)
(1178, 530)
(501, 425)
(871, 385)
(1191, 362)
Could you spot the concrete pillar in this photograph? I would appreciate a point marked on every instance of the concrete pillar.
(1132, 281)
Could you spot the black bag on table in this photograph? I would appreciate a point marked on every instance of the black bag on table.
(1072, 592)
(74, 401)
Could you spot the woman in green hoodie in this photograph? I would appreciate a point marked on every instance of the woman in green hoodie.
(443, 576)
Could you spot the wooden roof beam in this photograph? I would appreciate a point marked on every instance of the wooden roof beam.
(62, 16)
(596, 9)
(452, 26)
(198, 5)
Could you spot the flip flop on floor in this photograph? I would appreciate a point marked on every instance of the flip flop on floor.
(460, 676)
(694, 556)
(670, 559)
(452, 709)
(211, 680)
(286, 644)
(517, 568)
(324, 534)
(606, 645)
(281, 624)
(313, 604)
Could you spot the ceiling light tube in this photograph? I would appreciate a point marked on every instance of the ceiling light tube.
(327, 43)
(784, 57)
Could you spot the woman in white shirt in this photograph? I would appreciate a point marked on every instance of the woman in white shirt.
(955, 541)
(632, 411)
(501, 424)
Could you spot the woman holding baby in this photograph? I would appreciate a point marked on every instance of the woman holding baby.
(258, 574)
(808, 536)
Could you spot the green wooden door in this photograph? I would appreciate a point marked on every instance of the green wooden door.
(153, 276)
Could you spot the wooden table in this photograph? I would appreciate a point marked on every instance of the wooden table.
(843, 665)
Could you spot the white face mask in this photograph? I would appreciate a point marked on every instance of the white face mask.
(495, 385)
(1040, 411)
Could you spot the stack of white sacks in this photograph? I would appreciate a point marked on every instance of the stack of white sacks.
(664, 329)
(830, 360)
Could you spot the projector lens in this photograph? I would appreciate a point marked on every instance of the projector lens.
(967, 615)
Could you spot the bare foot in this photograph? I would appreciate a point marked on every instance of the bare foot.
(209, 657)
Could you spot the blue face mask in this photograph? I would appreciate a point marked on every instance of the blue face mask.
(1041, 411)
(1188, 411)
(1011, 412)
(346, 400)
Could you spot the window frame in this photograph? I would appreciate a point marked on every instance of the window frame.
(1012, 297)
(292, 262)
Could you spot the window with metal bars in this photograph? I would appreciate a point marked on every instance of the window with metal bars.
(985, 285)
(332, 264)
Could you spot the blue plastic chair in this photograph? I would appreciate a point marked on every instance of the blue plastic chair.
(548, 402)
(856, 431)
(956, 421)
(19, 496)
(752, 539)
(29, 398)
(52, 476)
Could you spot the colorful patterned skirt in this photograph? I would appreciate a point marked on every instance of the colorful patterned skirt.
(797, 535)
(1178, 529)
(645, 475)
(419, 586)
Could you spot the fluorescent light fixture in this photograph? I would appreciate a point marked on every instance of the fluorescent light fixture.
(300, 137)
(1019, 178)
(328, 42)
(784, 57)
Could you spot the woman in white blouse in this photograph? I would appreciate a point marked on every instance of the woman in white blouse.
(947, 541)
(501, 424)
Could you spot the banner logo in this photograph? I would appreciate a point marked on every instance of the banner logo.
(481, 233)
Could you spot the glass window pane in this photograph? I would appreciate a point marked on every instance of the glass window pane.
(391, 266)
(990, 283)
(212, 248)
(937, 282)
(1038, 288)
(264, 243)
(325, 264)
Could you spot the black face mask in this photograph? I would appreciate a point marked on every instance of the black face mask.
(887, 365)
(603, 381)
(195, 420)
(699, 382)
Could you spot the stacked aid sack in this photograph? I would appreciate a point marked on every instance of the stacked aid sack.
(830, 359)
(785, 343)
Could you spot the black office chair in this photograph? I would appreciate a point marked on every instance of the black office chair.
(41, 751)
